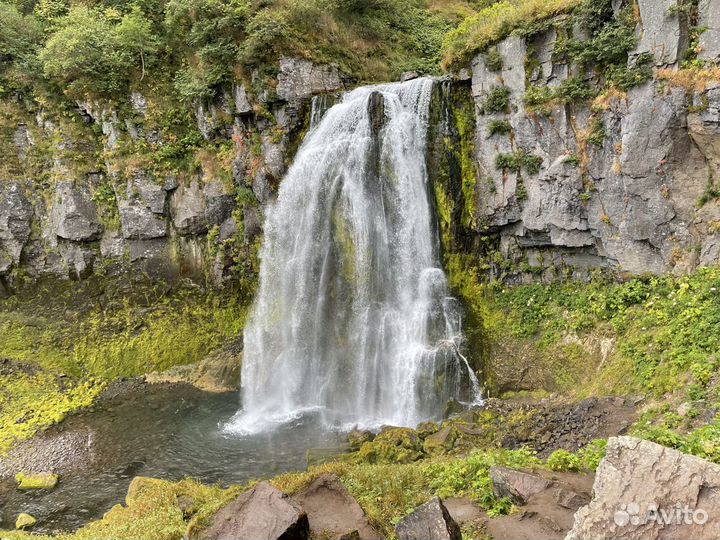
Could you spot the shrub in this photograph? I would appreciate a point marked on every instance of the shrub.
(495, 23)
(518, 161)
(562, 460)
(498, 127)
(493, 60)
(497, 100)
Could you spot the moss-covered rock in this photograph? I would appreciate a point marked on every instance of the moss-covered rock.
(43, 480)
(393, 445)
(441, 442)
(25, 521)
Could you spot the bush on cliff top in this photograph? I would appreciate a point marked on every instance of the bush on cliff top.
(493, 24)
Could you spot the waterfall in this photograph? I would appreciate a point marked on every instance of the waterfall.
(353, 318)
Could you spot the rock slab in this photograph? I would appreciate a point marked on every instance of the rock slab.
(332, 511)
(517, 485)
(644, 490)
(263, 513)
(430, 521)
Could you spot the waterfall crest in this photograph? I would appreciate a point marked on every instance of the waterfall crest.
(353, 318)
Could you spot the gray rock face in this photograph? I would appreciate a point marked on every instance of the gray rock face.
(331, 510)
(242, 103)
(263, 513)
(187, 207)
(141, 204)
(431, 521)
(663, 33)
(16, 215)
(709, 11)
(628, 204)
(644, 490)
(74, 215)
(300, 79)
(518, 485)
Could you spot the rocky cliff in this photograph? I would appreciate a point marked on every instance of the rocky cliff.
(625, 181)
(544, 164)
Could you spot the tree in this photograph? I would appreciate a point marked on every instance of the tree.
(134, 34)
(20, 36)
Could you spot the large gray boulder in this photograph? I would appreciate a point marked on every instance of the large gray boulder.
(331, 510)
(431, 521)
(16, 215)
(299, 79)
(262, 513)
(74, 216)
(644, 490)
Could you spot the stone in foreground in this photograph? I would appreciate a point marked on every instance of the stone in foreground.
(644, 490)
(431, 521)
(332, 511)
(25, 521)
(263, 513)
(517, 485)
(43, 480)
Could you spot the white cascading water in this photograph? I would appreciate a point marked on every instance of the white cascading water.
(353, 318)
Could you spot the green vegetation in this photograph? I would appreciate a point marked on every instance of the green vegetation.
(63, 351)
(519, 161)
(497, 101)
(496, 22)
(499, 127)
(387, 493)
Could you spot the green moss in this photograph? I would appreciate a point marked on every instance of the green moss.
(396, 445)
(498, 127)
(129, 329)
(36, 481)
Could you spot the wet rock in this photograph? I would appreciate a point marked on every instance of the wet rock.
(300, 79)
(638, 488)
(43, 480)
(74, 215)
(332, 511)
(217, 373)
(25, 521)
(409, 76)
(429, 522)
(518, 485)
(263, 513)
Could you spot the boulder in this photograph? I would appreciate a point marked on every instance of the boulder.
(262, 513)
(357, 437)
(440, 442)
(644, 490)
(25, 521)
(43, 480)
(332, 511)
(430, 521)
(517, 485)
(74, 215)
(567, 498)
